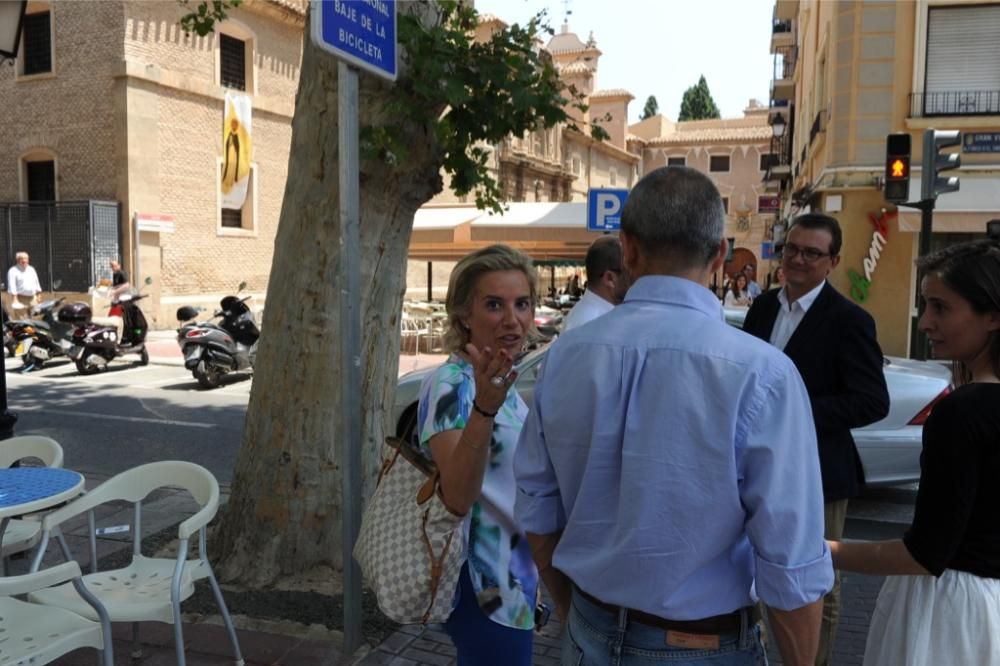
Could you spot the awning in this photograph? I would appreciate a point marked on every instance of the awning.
(545, 231)
(561, 215)
(444, 218)
(965, 211)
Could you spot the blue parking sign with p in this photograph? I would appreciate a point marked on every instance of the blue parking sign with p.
(604, 209)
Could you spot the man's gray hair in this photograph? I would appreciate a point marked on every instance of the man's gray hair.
(675, 213)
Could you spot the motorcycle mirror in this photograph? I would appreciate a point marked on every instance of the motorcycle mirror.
(56, 284)
(148, 281)
(243, 285)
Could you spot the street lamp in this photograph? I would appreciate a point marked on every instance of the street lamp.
(778, 126)
(11, 18)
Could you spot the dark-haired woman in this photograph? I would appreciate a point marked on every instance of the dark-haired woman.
(738, 295)
(941, 602)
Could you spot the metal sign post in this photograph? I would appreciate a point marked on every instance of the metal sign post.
(362, 35)
(350, 339)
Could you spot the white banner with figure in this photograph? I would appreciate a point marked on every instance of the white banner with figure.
(237, 151)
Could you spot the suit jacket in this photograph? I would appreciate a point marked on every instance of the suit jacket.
(839, 358)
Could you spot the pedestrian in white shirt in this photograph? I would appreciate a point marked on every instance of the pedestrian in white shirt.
(22, 281)
(606, 283)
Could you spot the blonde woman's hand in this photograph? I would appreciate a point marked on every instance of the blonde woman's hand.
(494, 373)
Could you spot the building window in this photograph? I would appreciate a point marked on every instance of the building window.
(718, 163)
(963, 61)
(676, 161)
(242, 221)
(725, 204)
(576, 166)
(768, 160)
(232, 218)
(613, 177)
(232, 62)
(40, 179)
(37, 44)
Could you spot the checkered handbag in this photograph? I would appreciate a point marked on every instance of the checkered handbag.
(410, 545)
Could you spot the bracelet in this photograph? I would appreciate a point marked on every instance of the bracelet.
(482, 411)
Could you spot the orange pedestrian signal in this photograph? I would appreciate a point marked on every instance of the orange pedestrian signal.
(897, 168)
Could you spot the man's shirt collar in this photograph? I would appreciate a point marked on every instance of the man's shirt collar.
(805, 301)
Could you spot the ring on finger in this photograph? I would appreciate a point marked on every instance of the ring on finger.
(498, 380)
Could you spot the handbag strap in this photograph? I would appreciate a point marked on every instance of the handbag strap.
(437, 563)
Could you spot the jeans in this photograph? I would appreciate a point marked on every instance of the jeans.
(596, 637)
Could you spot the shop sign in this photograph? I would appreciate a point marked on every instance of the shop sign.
(768, 204)
(880, 237)
(981, 142)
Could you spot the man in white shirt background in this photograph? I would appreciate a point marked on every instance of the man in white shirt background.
(606, 283)
(22, 282)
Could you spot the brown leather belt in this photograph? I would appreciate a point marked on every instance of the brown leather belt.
(717, 624)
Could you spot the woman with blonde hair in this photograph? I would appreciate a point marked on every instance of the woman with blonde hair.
(468, 421)
(941, 602)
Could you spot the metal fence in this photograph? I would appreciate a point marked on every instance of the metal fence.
(70, 242)
(955, 103)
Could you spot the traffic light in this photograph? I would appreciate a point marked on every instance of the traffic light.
(931, 183)
(897, 168)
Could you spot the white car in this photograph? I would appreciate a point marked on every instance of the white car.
(889, 449)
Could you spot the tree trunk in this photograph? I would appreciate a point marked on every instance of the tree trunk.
(284, 512)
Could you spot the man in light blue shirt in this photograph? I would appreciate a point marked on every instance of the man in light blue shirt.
(681, 482)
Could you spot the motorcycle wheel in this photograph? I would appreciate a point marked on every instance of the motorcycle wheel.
(208, 378)
(144, 357)
(84, 368)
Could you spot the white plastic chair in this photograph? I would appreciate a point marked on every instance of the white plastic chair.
(416, 328)
(149, 588)
(30, 446)
(22, 534)
(33, 634)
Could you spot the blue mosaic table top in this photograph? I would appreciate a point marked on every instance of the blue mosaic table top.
(22, 485)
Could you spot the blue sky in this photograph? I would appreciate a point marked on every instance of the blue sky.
(661, 47)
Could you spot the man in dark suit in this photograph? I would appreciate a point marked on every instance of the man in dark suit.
(832, 342)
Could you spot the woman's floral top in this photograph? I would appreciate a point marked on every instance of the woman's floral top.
(500, 565)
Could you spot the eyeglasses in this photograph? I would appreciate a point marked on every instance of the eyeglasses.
(791, 250)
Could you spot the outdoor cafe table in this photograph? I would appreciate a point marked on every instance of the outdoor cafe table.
(29, 489)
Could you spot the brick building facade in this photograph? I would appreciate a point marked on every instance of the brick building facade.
(128, 108)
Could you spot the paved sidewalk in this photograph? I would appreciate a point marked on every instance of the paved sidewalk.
(207, 644)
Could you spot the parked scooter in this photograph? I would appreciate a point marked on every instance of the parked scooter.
(44, 336)
(212, 350)
(95, 345)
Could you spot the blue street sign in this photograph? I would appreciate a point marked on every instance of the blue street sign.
(362, 32)
(604, 209)
(981, 142)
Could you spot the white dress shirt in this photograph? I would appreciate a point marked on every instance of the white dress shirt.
(790, 316)
(23, 282)
(590, 306)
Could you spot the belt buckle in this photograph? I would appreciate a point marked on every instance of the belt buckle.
(688, 641)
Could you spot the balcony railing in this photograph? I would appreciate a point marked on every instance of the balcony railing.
(817, 126)
(955, 103)
(784, 61)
